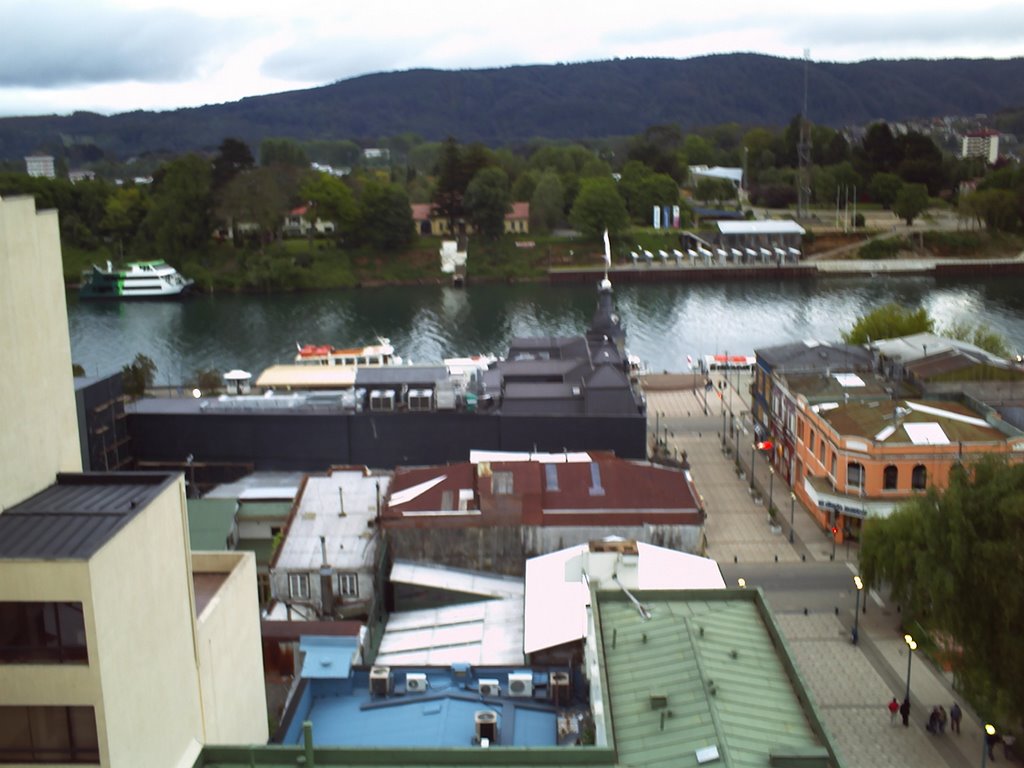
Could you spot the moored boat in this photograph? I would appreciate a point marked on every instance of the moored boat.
(136, 280)
(381, 353)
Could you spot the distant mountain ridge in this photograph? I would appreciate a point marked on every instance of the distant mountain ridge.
(561, 101)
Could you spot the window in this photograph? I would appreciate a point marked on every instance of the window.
(919, 478)
(298, 586)
(890, 478)
(821, 452)
(551, 477)
(42, 633)
(48, 735)
(832, 470)
(501, 483)
(800, 430)
(854, 474)
(348, 584)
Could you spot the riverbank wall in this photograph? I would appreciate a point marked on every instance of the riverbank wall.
(659, 273)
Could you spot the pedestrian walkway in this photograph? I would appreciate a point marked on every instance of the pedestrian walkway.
(851, 684)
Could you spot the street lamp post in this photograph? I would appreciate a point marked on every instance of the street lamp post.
(792, 506)
(723, 430)
(990, 731)
(856, 610)
(753, 450)
(771, 487)
(911, 646)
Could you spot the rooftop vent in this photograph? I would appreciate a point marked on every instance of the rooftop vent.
(380, 681)
(485, 723)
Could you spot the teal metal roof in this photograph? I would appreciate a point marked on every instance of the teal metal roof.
(263, 510)
(209, 523)
(262, 548)
(707, 670)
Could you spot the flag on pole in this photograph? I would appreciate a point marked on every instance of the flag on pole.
(607, 249)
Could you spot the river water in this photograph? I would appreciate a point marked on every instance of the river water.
(664, 322)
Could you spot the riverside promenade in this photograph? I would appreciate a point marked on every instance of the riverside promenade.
(851, 684)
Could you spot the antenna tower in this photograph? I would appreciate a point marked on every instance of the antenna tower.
(803, 152)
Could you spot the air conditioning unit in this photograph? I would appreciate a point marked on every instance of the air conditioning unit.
(486, 724)
(558, 687)
(489, 687)
(380, 681)
(415, 682)
(520, 684)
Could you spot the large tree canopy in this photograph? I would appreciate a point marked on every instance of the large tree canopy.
(888, 322)
(954, 561)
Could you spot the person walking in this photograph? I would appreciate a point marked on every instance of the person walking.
(942, 720)
(905, 712)
(894, 708)
(955, 714)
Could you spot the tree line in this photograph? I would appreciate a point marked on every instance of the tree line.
(589, 186)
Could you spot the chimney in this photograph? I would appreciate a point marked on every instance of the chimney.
(326, 582)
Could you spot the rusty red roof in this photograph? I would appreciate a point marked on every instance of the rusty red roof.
(606, 490)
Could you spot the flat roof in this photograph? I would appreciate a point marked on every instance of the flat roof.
(210, 522)
(76, 516)
(779, 227)
(343, 711)
(725, 673)
(308, 376)
(888, 422)
(558, 595)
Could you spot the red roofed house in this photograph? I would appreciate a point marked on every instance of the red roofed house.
(498, 509)
(428, 222)
(297, 223)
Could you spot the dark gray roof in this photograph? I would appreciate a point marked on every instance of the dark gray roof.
(396, 375)
(75, 517)
(537, 369)
(814, 356)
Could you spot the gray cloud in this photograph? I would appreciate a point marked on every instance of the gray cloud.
(997, 25)
(57, 44)
(325, 61)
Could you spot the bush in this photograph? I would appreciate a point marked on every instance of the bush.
(887, 248)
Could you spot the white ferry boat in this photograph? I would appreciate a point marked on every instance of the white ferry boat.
(381, 353)
(137, 280)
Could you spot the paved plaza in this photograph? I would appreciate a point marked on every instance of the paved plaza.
(851, 684)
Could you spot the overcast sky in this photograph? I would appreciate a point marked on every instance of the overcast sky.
(108, 56)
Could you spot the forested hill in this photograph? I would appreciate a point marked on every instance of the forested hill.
(566, 101)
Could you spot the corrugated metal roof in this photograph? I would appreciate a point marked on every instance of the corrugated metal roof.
(715, 661)
(75, 517)
(413, 375)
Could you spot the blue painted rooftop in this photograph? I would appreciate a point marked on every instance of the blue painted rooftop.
(432, 707)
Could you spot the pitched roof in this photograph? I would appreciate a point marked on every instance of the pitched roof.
(604, 491)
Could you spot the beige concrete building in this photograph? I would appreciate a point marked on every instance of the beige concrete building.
(40, 438)
(118, 645)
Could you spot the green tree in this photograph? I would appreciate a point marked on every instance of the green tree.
(911, 202)
(179, 219)
(332, 199)
(599, 206)
(385, 216)
(487, 201)
(283, 152)
(451, 183)
(259, 197)
(233, 157)
(123, 214)
(547, 205)
(714, 189)
(884, 188)
(661, 189)
(658, 148)
(979, 336)
(998, 209)
(953, 560)
(138, 375)
(698, 150)
(888, 322)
